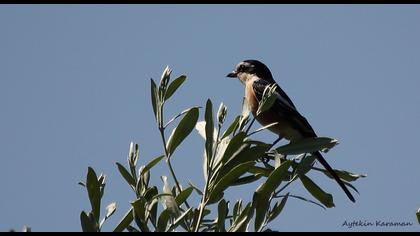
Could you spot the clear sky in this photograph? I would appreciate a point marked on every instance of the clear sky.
(75, 90)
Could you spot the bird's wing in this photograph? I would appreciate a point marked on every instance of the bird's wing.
(285, 108)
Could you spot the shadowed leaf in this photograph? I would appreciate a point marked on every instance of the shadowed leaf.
(174, 86)
(325, 198)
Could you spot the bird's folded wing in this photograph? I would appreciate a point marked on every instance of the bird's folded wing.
(285, 108)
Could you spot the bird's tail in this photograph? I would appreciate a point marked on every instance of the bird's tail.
(321, 159)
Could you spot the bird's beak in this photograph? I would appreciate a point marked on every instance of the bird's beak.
(233, 74)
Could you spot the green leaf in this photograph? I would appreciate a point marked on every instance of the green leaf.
(306, 200)
(89, 224)
(126, 175)
(418, 215)
(345, 175)
(221, 114)
(241, 222)
(151, 164)
(164, 79)
(233, 146)
(180, 114)
(209, 129)
(325, 198)
(307, 145)
(228, 179)
(268, 99)
(163, 220)
(247, 179)
(244, 114)
(183, 195)
(196, 188)
(179, 220)
(125, 221)
(94, 192)
(305, 164)
(154, 97)
(277, 208)
(174, 86)
(168, 199)
(140, 214)
(231, 127)
(237, 209)
(263, 128)
(184, 128)
(150, 195)
(243, 154)
(222, 211)
(264, 191)
(260, 170)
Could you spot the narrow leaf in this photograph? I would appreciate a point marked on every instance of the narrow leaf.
(222, 211)
(126, 175)
(163, 220)
(184, 128)
(228, 179)
(345, 175)
(183, 195)
(174, 86)
(125, 221)
(179, 220)
(325, 198)
(231, 127)
(209, 129)
(247, 179)
(88, 222)
(308, 145)
(154, 97)
(94, 192)
(264, 191)
(277, 208)
(151, 164)
(241, 222)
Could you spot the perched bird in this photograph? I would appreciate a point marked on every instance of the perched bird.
(291, 125)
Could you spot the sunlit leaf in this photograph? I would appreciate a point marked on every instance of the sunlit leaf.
(307, 145)
(268, 99)
(151, 164)
(221, 113)
(343, 174)
(184, 128)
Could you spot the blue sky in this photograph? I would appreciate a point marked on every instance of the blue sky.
(74, 91)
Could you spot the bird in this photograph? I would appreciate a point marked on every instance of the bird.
(290, 124)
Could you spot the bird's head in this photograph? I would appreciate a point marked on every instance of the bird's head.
(247, 69)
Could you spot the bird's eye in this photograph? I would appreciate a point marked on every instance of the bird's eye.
(241, 68)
